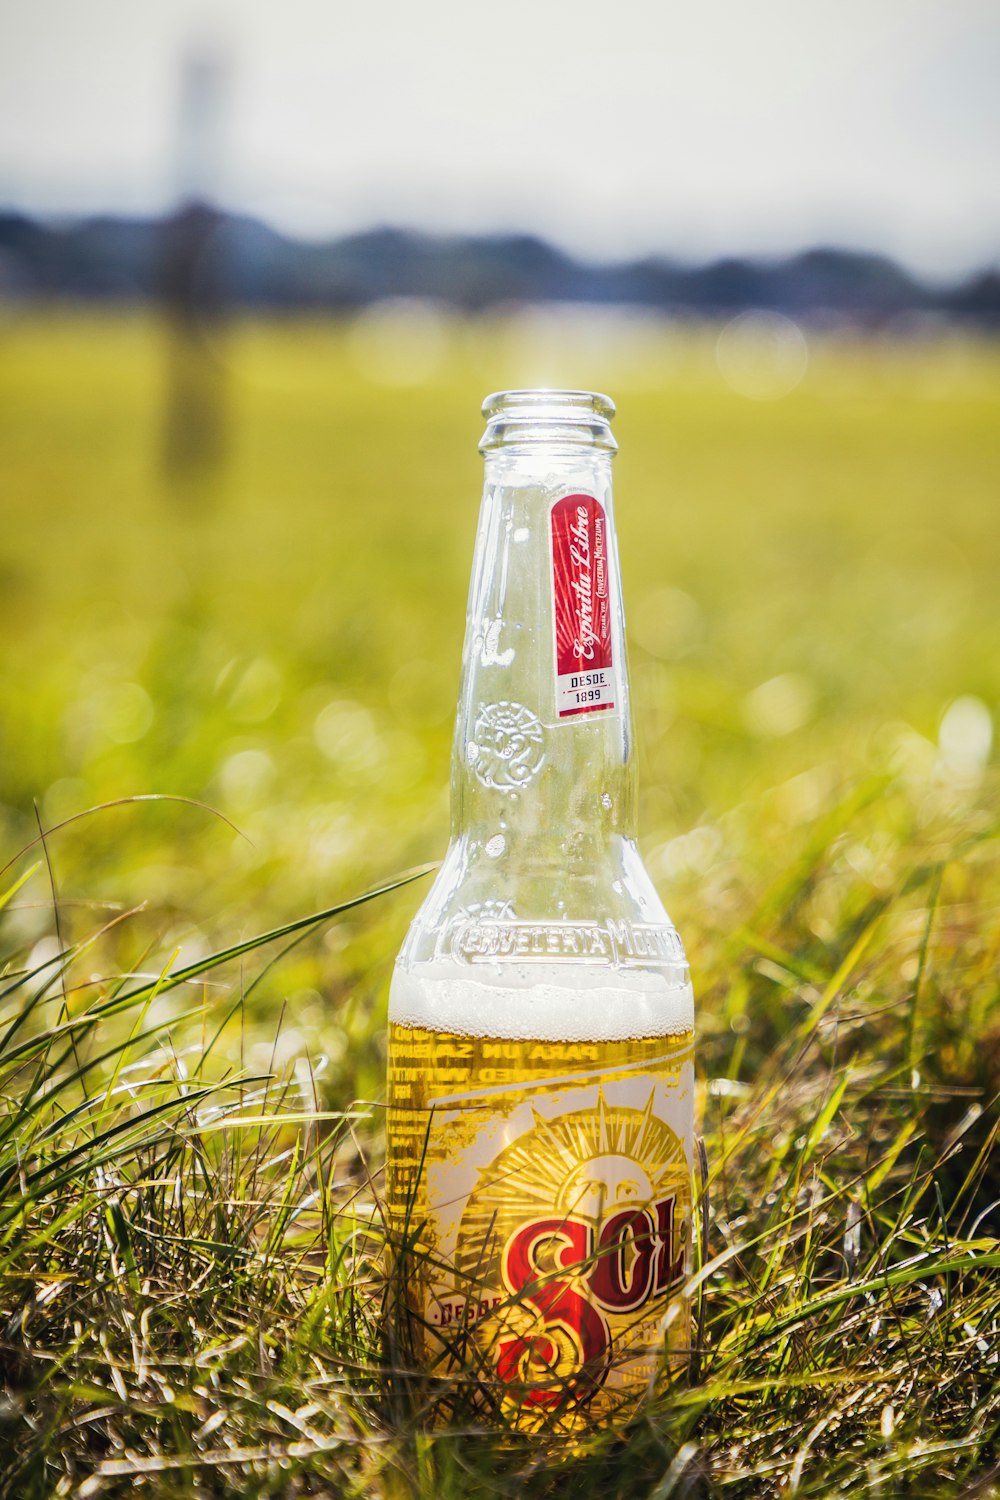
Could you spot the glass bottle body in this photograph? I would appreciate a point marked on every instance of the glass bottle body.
(540, 1076)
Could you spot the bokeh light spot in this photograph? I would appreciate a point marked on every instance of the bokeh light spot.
(779, 706)
(400, 341)
(965, 737)
(666, 623)
(245, 776)
(762, 355)
(126, 712)
(346, 734)
(257, 691)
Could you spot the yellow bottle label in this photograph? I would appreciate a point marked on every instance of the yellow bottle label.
(545, 1190)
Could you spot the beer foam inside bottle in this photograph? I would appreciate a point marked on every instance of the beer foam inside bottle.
(540, 1076)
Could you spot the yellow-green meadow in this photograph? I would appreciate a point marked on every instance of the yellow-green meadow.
(811, 584)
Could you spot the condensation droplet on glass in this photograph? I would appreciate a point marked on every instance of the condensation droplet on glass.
(521, 534)
(606, 800)
(472, 752)
(496, 845)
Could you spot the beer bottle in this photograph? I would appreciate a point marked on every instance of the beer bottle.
(539, 1114)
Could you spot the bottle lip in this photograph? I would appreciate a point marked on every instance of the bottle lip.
(564, 418)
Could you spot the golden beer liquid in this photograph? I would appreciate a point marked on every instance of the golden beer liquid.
(541, 1191)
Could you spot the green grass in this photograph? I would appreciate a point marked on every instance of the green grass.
(189, 1227)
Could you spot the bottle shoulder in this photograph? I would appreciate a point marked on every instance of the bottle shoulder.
(548, 953)
(593, 886)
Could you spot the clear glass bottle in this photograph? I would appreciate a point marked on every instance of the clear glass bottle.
(539, 1125)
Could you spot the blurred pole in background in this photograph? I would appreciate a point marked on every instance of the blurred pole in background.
(191, 280)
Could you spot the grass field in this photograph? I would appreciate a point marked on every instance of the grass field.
(190, 1279)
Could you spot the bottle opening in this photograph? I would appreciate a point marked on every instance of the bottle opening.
(578, 419)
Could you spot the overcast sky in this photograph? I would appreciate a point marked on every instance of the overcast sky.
(689, 127)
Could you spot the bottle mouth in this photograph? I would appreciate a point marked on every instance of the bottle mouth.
(574, 419)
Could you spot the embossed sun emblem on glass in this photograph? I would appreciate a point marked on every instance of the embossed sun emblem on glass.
(508, 746)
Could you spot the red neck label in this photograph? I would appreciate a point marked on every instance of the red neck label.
(581, 596)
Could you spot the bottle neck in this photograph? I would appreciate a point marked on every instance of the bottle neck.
(543, 767)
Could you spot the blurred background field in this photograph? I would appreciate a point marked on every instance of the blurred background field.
(810, 579)
(259, 265)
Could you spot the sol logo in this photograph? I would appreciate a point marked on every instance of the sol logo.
(580, 1225)
(617, 1269)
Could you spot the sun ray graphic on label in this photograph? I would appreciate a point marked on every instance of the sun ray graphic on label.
(578, 1163)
